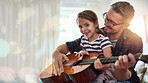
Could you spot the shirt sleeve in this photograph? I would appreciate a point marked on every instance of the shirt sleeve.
(134, 78)
(105, 43)
(74, 46)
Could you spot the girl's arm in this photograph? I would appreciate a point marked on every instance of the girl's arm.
(98, 65)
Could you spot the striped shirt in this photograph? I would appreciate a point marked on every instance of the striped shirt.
(95, 46)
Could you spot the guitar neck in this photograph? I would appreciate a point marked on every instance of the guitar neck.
(104, 60)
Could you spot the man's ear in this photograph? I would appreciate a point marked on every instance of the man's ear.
(126, 25)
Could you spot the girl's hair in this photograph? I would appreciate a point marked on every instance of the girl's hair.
(91, 16)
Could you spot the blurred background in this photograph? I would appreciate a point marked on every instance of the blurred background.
(30, 31)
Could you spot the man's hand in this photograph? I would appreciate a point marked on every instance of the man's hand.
(122, 65)
(58, 59)
(123, 62)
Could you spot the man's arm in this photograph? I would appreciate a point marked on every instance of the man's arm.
(135, 45)
(58, 56)
(122, 66)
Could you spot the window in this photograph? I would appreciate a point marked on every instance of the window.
(137, 26)
(69, 29)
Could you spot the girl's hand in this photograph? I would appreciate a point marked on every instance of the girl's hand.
(84, 52)
(98, 65)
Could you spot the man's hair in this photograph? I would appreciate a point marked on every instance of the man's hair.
(125, 9)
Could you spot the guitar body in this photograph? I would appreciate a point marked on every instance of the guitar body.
(72, 74)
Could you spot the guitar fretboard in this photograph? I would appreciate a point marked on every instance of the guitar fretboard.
(103, 60)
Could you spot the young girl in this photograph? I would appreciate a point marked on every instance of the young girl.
(92, 41)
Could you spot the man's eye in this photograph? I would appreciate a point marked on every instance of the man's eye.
(113, 23)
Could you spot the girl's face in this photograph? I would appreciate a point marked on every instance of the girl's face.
(87, 28)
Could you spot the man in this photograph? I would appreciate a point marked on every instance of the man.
(124, 42)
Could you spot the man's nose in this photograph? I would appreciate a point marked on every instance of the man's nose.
(106, 23)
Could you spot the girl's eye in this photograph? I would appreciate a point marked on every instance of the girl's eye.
(80, 26)
(87, 24)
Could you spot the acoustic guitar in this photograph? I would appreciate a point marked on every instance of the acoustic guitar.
(80, 70)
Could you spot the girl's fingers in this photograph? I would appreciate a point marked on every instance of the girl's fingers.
(97, 64)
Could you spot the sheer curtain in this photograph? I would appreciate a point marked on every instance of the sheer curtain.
(28, 30)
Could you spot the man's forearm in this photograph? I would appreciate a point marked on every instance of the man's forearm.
(62, 49)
